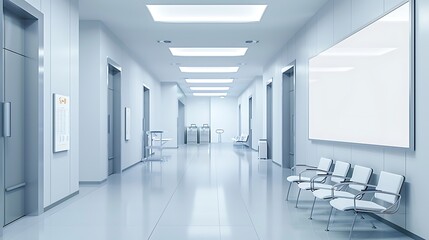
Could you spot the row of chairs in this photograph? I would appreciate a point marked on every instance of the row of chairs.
(348, 193)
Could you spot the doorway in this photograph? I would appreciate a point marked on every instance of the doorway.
(146, 121)
(288, 114)
(114, 118)
(181, 124)
(270, 120)
(21, 110)
(239, 120)
(250, 139)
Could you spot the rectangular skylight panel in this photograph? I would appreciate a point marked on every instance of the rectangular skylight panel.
(214, 80)
(210, 94)
(209, 88)
(208, 52)
(207, 13)
(209, 69)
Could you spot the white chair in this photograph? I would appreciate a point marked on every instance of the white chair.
(341, 169)
(385, 198)
(360, 175)
(241, 140)
(323, 167)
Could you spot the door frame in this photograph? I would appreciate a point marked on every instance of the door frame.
(117, 118)
(250, 116)
(269, 123)
(290, 68)
(34, 173)
(239, 120)
(145, 140)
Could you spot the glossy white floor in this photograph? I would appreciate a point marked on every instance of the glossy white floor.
(201, 192)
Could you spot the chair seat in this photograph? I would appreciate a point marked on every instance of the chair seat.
(307, 186)
(345, 204)
(326, 194)
(295, 178)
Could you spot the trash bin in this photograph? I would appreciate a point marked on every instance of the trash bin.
(219, 132)
(262, 149)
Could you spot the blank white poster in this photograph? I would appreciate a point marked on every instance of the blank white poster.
(359, 90)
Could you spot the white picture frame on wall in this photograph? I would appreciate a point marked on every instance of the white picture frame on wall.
(61, 123)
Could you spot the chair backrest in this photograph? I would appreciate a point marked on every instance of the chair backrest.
(244, 138)
(340, 169)
(324, 164)
(360, 175)
(389, 182)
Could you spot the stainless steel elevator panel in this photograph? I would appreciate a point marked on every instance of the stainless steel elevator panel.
(21, 111)
(110, 122)
(14, 145)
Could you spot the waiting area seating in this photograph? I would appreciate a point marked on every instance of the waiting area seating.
(344, 193)
(323, 167)
(341, 169)
(241, 140)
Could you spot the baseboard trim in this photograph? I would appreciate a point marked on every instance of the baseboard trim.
(60, 201)
(132, 165)
(276, 163)
(396, 227)
(92, 182)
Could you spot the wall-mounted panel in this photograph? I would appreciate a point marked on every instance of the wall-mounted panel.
(360, 89)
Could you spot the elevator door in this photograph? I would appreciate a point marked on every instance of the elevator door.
(14, 143)
(110, 123)
(14, 83)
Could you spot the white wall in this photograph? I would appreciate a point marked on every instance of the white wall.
(255, 91)
(336, 20)
(224, 116)
(215, 111)
(197, 111)
(61, 75)
(169, 113)
(98, 44)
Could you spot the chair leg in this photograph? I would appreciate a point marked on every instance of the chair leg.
(329, 220)
(297, 198)
(288, 190)
(353, 225)
(312, 208)
(372, 223)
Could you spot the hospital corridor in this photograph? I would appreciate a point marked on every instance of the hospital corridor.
(223, 120)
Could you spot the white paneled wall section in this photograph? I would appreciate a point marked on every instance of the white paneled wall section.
(61, 75)
(335, 21)
(170, 96)
(217, 112)
(223, 116)
(255, 91)
(97, 44)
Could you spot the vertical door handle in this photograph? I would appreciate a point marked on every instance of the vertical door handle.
(7, 119)
(108, 123)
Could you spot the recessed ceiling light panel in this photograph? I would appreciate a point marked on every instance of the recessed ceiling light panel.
(204, 80)
(209, 69)
(210, 94)
(206, 13)
(208, 52)
(209, 88)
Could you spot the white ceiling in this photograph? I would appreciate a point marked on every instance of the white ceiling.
(132, 23)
